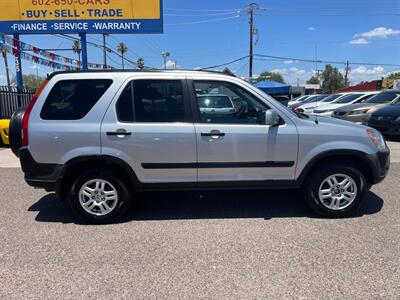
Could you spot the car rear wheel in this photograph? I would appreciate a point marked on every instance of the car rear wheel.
(14, 131)
(335, 191)
(100, 197)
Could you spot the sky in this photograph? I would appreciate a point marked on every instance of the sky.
(206, 33)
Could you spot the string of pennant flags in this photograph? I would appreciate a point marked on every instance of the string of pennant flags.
(40, 56)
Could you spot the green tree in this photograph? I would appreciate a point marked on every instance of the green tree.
(76, 47)
(31, 81)
(122, 48)
(4, 54)
(393, 76)
(140, 63)
(313, 80)
(332, 79)
(274, 76)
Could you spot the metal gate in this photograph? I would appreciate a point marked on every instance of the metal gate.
(11, 100)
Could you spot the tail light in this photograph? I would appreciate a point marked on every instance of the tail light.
(232, 110)
(25, 118)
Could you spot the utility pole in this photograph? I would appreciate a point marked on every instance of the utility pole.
(84, 51)
(250, 11)
(346, 74)
(104, 51)
(316, 62)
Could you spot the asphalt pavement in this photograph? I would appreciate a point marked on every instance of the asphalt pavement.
(219, 245)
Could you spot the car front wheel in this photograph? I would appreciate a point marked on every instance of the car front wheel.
(335, 191)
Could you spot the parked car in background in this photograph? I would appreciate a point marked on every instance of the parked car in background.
(386, 119)
(215, 104)
(284, 99)
(309, 107)
(351, 98)
(4, 124)
(298, 99)
(361, 112)
(309, 99)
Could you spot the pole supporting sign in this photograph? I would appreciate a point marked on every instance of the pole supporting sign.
(80, 16)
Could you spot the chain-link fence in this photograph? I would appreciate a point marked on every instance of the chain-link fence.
(11, 100)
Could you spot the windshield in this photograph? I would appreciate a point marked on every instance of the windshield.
(382, 98)
(348, 98)
(318, 98)
(305, 99)
(330, 98)
(299, 98)
(214, 102)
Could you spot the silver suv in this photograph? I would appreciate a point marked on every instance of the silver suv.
(95, 138)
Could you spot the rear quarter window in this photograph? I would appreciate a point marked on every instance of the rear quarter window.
(73, 99)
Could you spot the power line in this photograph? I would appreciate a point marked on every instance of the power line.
(202, 22)
(100, 46)
(280, 58)
(201, 10)
(129, 50)
(202, 15)
(225, 64)
(326, 61)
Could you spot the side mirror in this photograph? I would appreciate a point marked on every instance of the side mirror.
(271, 118)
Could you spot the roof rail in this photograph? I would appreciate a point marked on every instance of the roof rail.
(51, 75)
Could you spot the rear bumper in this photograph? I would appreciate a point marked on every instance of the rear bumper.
(38, 175)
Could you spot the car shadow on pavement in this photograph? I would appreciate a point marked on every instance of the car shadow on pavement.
(205, 205)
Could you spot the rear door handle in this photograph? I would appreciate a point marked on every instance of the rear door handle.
(116, 133)
(212, 133)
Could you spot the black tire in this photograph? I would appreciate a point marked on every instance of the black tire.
(14, 132)
(123, 203)
(311, 190)
(2, 145)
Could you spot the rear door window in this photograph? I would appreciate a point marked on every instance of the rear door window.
(152, 101)
(73, 99)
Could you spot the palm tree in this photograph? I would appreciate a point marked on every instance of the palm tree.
(122, 48)
(76, 47)
(4, 53)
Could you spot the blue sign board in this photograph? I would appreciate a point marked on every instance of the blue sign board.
(80, 16)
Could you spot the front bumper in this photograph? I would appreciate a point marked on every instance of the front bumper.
(380, 164)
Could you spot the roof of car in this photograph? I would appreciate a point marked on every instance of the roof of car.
(136, 71)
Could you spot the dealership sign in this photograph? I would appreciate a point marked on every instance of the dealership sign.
(80, 16)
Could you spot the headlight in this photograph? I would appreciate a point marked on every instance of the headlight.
(359, 111)
(397, 120)
(376, 139)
